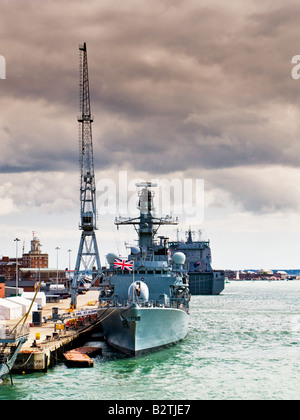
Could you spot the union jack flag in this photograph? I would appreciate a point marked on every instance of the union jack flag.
(123, 264)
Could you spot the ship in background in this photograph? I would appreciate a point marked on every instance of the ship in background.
(203, 280)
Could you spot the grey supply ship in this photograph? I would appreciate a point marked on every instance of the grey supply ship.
(144, 302)
(203, 280)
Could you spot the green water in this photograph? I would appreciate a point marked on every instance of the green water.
(242, 344)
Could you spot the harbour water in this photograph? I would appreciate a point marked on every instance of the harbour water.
(243, 344)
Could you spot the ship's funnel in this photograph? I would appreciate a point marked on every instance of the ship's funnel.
(138, 292)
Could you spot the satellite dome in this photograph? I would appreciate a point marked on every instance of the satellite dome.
(135, 250)
(111, 257)
(179, 258)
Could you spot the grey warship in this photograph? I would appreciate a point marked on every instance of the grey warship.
(144, 302)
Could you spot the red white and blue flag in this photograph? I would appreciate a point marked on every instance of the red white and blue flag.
(123, 264)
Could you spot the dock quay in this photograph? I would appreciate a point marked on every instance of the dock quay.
(58, 334)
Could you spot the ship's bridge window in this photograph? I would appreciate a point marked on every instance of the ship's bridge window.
(150, 271)
(158, 271)
(142, 271)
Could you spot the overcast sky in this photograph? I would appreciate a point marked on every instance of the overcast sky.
(179, 89)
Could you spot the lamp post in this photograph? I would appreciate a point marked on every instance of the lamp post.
(69, 251)
(17, 271)
(57, 248)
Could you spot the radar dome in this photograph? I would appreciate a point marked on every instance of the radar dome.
(111, 257)
(179, 258)
(135, 250)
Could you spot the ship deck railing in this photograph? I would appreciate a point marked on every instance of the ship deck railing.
(170, 303)
(11, 335)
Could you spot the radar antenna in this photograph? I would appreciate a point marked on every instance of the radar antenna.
(146, 225)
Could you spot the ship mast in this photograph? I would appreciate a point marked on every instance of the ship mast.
(88, 261)
(146, 225)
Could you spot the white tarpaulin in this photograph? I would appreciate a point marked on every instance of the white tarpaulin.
(40, 298)
(9, 310)
(24, 303)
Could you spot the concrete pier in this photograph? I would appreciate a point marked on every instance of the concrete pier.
(48, 342)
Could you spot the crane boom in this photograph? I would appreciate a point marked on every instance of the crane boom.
(88, 261)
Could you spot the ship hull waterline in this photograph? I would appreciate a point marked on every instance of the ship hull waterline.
(137, 330)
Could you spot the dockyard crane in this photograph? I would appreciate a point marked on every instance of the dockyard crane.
(88, 261)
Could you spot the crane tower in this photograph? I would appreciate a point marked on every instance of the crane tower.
(88, 261)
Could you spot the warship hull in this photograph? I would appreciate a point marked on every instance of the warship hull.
(136, 330)
(211, 283)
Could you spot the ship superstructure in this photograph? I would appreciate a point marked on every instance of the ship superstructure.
(144, 302)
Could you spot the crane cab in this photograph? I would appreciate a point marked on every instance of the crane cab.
(87, 221)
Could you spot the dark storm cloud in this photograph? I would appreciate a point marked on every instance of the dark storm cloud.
(175, 85)
(204, 91)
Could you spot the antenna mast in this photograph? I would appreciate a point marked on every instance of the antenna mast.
(146, 225)
(88, 261)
